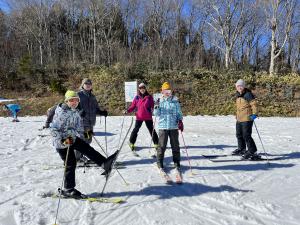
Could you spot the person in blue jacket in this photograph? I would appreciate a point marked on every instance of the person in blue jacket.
(13, 109)
(168, 110)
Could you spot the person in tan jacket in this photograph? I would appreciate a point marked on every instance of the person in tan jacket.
(246, 106)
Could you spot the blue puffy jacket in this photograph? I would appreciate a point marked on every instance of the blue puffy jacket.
(169, 113)
(66, 123)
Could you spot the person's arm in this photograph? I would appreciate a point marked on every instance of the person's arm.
(150, 105)
(179, 112)
(133, 104)
(50, 115)
(157, 108)
(56, 128)
(101, 112)
(252, 101)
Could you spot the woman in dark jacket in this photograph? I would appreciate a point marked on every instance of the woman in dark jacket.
(89, 106)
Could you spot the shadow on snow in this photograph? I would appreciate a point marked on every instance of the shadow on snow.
(171, 191)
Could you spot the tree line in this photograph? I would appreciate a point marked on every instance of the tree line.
(258, 35)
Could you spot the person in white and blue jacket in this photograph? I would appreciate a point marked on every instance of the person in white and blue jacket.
(168, 110)
(67, 132)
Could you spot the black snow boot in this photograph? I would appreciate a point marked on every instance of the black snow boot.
(107, 165)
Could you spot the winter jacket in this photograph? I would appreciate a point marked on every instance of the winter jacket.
(51, 112)
(169, 113)
(66, 123)
(13, 108)
(143, 105)
(246, 105)
(89, 104)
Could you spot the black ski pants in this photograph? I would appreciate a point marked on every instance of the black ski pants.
(84, 148)
(243, 134)
(163, 140)
(138, 124)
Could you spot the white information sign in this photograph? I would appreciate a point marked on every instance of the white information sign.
(130, 90)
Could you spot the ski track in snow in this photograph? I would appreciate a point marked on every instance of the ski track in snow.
(228, 193)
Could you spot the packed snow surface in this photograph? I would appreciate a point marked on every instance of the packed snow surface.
(213, 193)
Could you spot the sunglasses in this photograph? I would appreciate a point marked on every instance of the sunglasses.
(142, 87)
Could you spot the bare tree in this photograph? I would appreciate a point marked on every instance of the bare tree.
(227, 19)
(279, 15)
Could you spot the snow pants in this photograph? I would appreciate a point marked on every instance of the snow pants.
(138, 124)
(163, 140)
(84, 148)
(243, 134)
(87, 139)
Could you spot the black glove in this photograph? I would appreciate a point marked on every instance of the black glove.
(67, 141)
(47, 125)
(104, 113)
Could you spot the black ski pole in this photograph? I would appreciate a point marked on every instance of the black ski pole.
(121, 131)
(187, 155)
(154, 123)
(107, 156)
(62, 183)
(105, 131)
(261, 142)
(121, 146)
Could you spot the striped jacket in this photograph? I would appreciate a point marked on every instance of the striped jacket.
(66, 123)
(169, 113)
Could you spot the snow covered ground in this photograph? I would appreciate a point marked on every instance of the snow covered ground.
(216, 193)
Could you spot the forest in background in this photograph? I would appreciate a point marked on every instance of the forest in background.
(47, 46)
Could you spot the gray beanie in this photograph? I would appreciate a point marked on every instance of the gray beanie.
(85, 81)
(240, 82)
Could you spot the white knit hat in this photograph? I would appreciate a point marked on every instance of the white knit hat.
(142, 85)
(240, 82)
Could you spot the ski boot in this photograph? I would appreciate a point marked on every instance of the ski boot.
(238, 152)
(107, 165)
(71, 193)
(132, 147)
(178, 175)
(251, 156)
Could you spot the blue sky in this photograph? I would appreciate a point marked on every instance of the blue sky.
(3, 5)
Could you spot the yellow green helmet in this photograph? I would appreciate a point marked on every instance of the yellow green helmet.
(71, 94)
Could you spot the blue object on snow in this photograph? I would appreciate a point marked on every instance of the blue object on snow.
(14, 109)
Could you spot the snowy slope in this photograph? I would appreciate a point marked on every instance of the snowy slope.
(217, 192)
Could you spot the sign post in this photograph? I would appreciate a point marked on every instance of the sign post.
(130, 91)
